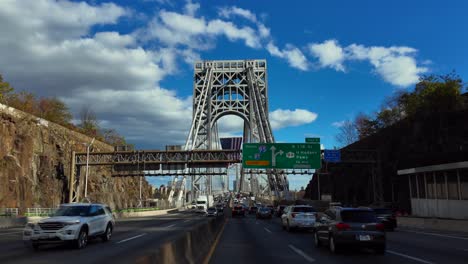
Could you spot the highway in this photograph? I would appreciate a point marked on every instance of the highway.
(247, 240)
(132, 237)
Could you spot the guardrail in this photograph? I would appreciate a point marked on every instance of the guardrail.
(40, 211)
(9, 212)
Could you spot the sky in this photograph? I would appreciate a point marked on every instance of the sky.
(132, 61)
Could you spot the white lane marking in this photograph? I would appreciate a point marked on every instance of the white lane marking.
(11, 233)
(301, 253)
(266, 229)
(435, 234)
(409, 257)
(188, 220)
(170, 226)
(130, 238)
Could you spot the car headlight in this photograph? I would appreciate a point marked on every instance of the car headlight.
(72, 223)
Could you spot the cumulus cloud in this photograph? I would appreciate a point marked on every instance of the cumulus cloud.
(396, 65)
(282, 118)
(293, 55)
(329, 53)
(228, 12)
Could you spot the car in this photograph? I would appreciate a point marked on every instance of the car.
(279, 210)
(211, 211)
(253, 209)
(238, 210)
(272, 208)
(298, 216)
(387, 217)
(74, 222)
(341, 227)
(220, 209)
(263, 212)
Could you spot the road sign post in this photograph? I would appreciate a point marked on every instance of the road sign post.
(281, 156)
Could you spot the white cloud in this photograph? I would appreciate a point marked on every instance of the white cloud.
(338, 123)
(228, 12)
(293, 55)
(282, 118)
(329, 53)
(191, 8)
(396, 65)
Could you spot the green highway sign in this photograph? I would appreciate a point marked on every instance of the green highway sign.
(312, 140)
(281, 156)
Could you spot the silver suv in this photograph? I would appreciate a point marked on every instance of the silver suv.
(74, 223)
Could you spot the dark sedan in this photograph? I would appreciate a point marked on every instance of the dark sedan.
(386, 217)
(263, 212)
(342, 228)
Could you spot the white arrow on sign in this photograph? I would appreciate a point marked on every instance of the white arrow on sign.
(273, 155)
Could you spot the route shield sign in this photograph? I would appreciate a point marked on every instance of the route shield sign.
(332, 155)
(312, 140)
(281, 156)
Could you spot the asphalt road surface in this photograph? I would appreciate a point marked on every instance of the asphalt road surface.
(247, 240)
(132, 237)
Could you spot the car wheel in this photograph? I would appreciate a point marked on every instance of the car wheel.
(108, 234)
(316, 240)
(35, 246)
(380, 250)
(82, 240)
(332, 245)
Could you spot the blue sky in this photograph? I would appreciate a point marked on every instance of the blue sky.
(131, 61)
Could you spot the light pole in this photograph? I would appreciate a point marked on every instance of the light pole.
(87, 168)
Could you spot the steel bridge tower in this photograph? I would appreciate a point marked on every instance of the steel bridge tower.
(232, 87)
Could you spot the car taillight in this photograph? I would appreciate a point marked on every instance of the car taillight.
(380, 227)
(293, 215)
(342, 226)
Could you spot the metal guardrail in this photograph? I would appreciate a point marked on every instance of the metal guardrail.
(40, 211)
(9, 212)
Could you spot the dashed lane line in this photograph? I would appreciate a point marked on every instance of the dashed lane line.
(130, 238)
(435, 234)
(409, 257)
(301, 253)
(268, 230)
(169, 226)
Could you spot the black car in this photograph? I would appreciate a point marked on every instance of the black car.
(342, 228)
(387, 217)
(238, 210)
(263, 212)
(253, 209)
(279, 210)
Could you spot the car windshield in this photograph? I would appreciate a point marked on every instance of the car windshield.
(383, 211)
(201, 202)
(303, 209)
(72, 211)
(211, 209)
(264, 209)
(356, 216)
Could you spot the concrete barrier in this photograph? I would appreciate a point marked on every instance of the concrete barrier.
(6, 222)
(433, 224)
(191, 247)
(145, 213)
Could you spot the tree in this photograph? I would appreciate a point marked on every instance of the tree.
(23, 101)
(347, 133)
(365, 125)
(54, 110)
(112, 137)
(88, 122)
(5, 90)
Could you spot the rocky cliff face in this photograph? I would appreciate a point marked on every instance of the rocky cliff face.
(35, 165)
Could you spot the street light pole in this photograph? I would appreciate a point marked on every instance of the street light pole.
(87, 168)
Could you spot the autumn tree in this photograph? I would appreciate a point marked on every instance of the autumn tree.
(89, 122)
(5, 90)
(54, 110)
(112, 137)
(347, 133)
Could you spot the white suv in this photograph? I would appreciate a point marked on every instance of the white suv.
(298, 216)
(75, 223)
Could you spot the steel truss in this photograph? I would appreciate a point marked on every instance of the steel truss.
(232, 87)
(157, 163)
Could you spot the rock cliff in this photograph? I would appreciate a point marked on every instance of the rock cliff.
(35, 165)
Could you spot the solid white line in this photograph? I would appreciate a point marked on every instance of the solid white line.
(11, 233)
(170, 226)
(434, 234)
(130, 238)
(266, 229)
(301, 253)
(409, 257)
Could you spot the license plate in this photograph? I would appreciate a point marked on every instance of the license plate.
(364, 238)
